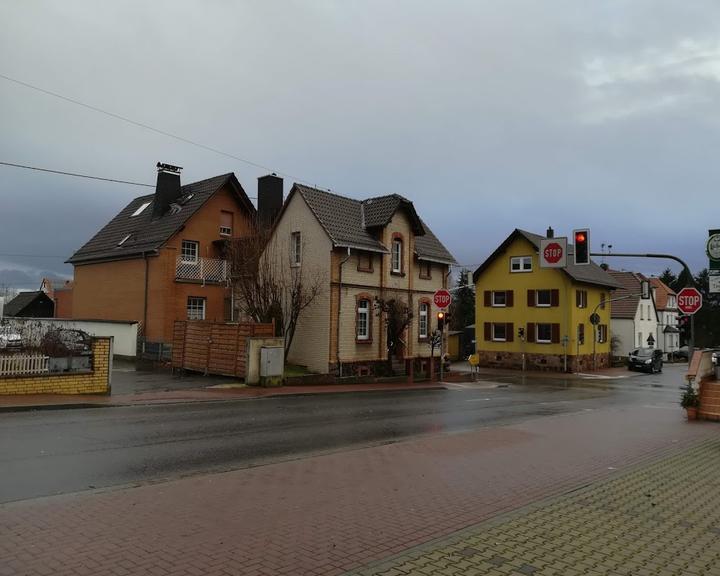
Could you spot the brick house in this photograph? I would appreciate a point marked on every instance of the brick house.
(362, 250)
(162, 257)
(540, 314)
(634, 319)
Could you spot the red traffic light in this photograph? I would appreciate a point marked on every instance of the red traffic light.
(580, 237)
(441, 315)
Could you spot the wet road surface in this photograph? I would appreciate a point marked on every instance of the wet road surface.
(52, 452)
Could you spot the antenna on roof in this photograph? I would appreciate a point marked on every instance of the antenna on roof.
(162, 167)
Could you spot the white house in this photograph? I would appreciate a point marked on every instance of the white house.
(668, 333)
(633, 321)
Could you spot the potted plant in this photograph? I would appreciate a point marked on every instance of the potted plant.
(690, 401)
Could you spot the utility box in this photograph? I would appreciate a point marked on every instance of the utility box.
(265, 362)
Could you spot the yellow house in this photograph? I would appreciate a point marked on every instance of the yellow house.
(540, 317)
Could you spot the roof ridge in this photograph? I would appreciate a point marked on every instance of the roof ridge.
(326, 192)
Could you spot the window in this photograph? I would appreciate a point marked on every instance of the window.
(581, 298)
(365, 262)
(226, 223)
(362, 321)
(499, 298)
(544, 298)
(602, 333)
(640, 342)
(195, 308)
(521, 264)
(396, 256)
(189, 251)
(499, 332)
(295, 249)
(544, 333)
(425, 270)
(140, 209)
(642, 312)
(423, 320)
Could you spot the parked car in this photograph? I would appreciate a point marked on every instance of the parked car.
(646, 359)
(66, 342)
(9, 340)
(682, 352)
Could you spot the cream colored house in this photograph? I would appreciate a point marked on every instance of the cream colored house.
(363, 250)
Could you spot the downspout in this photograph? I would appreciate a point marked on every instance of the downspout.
(337, 326)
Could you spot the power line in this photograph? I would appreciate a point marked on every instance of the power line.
(153, 129)
(75, 174)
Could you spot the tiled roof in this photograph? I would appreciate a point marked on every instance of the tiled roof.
(587, 274)
(631, 287)
(346, 222)
(22, 301)
(145, 235)
(662, 291)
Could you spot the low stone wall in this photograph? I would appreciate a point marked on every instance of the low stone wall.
(95, 381)
(543, 362)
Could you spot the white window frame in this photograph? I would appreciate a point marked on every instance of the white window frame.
(524, 264)
(601, 338)
(186, 254)
(140, 210)
(296, 248)
(537, 298)
(195, 308)
(583, 298)
(225, 231)
(502, 304)
(396, 256)
(540, 340)
(497, 338)
(423, 323)
(363, 320)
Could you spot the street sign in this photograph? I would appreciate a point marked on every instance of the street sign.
(553, 253)
(442, 299)
(714, 284)
(689, 300)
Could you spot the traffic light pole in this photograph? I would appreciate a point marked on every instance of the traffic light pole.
(691, 282)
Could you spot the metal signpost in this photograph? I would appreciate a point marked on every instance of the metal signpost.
(442, 300)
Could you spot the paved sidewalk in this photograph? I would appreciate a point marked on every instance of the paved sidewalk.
(328, 514)
(662, 518)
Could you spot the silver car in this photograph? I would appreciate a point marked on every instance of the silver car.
(10, 340)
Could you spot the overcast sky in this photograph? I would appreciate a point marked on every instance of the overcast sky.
(488, 115)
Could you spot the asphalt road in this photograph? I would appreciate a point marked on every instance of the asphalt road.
(59, 451)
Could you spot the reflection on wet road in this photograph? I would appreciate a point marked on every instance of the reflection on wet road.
(50, 452)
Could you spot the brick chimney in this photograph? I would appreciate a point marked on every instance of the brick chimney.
(167, 189)
(270, 200)
(550, 232)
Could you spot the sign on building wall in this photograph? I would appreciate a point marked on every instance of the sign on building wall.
(553, 253)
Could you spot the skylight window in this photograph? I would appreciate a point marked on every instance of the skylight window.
(124, 240)
(139, 210)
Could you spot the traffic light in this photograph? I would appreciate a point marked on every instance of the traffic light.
(581, 237)
(440, 321)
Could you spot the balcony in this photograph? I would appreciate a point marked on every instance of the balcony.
(204, 270)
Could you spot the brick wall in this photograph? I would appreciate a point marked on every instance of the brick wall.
(542, 362)
(96, 381)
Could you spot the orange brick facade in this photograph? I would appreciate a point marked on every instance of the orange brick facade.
(95, 382)
(146, 289)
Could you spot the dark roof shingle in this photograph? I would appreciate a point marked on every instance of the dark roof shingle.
(22, 301)
(145, 234)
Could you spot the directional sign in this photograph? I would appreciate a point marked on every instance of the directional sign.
(689, 300)
(442, 299)
(553, 253)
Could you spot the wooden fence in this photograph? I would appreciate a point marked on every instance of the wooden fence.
(23, 364)
(214, 348)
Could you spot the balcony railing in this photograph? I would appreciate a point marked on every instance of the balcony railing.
(202, 270)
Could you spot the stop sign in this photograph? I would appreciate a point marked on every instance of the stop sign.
(689, 300)
(442, 299)
(553, 252)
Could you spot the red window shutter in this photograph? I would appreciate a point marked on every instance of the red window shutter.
(509, 332)
(488, 298)
(488, 331)
(509, 298)
(556, 333)
(531, 298)
(554, 297)
(530, 332)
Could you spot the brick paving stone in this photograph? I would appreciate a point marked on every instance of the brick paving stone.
(649, 505)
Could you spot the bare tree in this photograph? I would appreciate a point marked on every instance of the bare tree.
(397, 315)
(268, 287)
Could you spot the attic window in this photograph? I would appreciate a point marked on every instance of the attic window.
(124, 240)
(138, 212)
